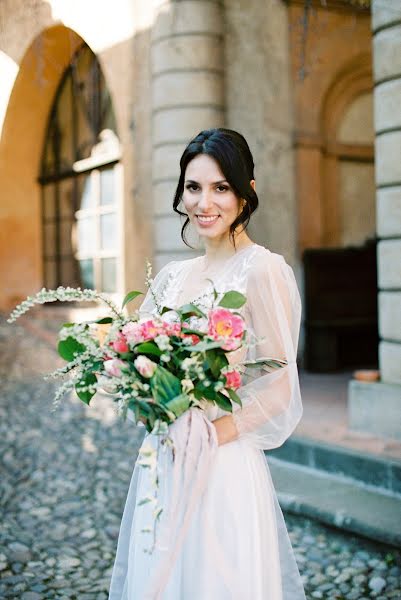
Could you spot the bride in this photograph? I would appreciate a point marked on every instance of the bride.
(222, 531)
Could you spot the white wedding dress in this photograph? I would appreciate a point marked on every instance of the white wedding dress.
(222, 535)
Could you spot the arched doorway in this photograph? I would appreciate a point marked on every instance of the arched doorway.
(80, 177)
(341, 329)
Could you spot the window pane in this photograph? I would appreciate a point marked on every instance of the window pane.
(69, 272)
(87, 274)
(107, 195)
(49, 239)
(86, 235)
(108, 231)
(87, 197)
(64, 129)
(50, 274)
(66, 235)
(66, 198)
(48, 201)
(109, 279)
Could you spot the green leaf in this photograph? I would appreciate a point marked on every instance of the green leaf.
(104, 320)
(69, 347)
(129, 297)
(68, 325)
(232, 299)
(234, 397)
(88, 379)
(202, 346)
(148, 348)
(179, 404)
(217, 360)
(166, 309)
(164, 385)
(223, 402)
(274, 363)
(190, 310)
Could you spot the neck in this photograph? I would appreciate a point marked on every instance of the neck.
(217, 250)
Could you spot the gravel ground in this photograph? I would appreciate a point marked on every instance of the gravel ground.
(64, 479)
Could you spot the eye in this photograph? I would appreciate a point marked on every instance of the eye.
(191, 185)
(223, 187)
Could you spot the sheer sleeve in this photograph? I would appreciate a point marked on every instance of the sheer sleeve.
(271, 401)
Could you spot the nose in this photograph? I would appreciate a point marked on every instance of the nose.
(205, 202)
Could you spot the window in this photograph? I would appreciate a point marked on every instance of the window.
(81, 182)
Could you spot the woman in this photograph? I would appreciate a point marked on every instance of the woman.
(223, 533)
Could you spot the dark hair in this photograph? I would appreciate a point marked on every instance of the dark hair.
(231, 151)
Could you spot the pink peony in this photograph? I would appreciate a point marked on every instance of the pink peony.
(113, 367)
(120, 344)
(233, 380)
(150, 329)
(133, 333)
(145, 366)
(224, 325)
(172, 328)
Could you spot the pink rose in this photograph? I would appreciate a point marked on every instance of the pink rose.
(145, 366)
(120, 344)
(233, 379)
(113, 367)
(224, 325)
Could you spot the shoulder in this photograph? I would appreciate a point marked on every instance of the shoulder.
(266, 263)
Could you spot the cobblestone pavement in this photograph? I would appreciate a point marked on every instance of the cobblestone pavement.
(64, 478)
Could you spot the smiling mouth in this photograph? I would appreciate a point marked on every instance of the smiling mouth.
(207, 219)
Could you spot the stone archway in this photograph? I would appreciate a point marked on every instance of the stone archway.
(20, 154)
(351, 83)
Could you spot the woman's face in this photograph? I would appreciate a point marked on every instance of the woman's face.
(208, 198)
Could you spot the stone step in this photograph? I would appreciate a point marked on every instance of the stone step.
(363, 467)
(337, 500)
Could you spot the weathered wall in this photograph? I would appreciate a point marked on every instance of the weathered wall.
(37, 44)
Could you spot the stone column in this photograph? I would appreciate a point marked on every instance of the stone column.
(187, 96)
(376, 407)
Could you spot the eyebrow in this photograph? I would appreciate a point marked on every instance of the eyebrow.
(213, 182)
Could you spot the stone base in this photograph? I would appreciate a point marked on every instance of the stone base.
(375, 408)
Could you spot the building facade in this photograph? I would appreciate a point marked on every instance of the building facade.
(99, 99)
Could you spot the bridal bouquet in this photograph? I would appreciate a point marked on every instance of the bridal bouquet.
(156, 366)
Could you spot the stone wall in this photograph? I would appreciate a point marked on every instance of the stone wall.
(376, 407)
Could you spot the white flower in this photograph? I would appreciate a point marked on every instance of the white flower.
(187, 385)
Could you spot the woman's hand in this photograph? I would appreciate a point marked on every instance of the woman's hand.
(226, 429)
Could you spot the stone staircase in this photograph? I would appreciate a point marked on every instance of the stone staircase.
(348, 489)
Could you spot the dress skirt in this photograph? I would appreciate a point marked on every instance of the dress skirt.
(222, 535)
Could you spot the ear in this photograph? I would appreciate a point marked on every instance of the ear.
(253, 184)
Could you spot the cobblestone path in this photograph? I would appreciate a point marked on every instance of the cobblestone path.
(64, 478)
